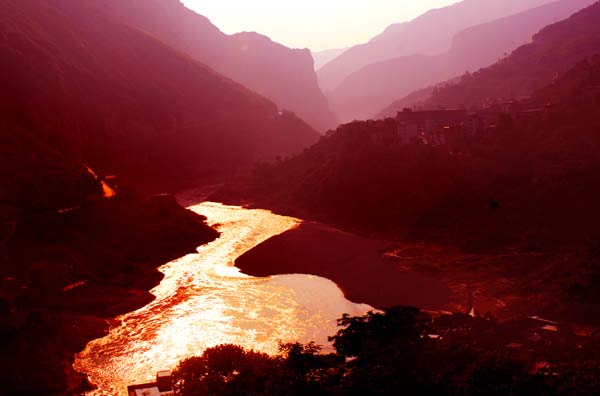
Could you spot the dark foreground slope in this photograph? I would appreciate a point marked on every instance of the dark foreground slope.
(81, 92)
(71, 258)
(284, 75)
(404, 351)
(129, 104)
(516, 202)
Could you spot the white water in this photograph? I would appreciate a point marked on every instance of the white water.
(205, 301)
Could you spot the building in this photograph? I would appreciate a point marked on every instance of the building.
(529, 117)
(429, 125)
(432, 119)
(162, 387)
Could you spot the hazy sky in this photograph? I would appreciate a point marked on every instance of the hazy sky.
(316, 24)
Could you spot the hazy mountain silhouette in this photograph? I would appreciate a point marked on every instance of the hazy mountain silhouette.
(428, 34)
(321, 58)
(284, 75)
(127, 103)
(552, 52)
(365, 92)
(411, 100)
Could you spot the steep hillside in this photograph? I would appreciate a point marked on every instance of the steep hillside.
(365, 92)
(538, 168)
(554, 50)
(429, 34)
(128, 104)
(284, 75)
(71, 256)
(36, 178)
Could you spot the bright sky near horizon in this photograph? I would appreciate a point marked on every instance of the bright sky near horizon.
(315, 24)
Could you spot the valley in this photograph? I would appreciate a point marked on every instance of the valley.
(188, 201)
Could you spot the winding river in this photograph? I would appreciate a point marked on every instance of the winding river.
(205, 301)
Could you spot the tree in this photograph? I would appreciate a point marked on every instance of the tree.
(383, 352)
(363, 337)
(225, 370)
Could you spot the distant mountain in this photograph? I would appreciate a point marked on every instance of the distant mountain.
(127, 103)
(284, 75)
(553, 51)
(428, 34)
(321, 58)
(365, 92)
(410, 101)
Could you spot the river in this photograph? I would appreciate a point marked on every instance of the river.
(204, 301)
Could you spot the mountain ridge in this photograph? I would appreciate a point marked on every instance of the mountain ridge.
(128, 103)
(396, 39)
(553, 51)
(365, 92)
(284, 75)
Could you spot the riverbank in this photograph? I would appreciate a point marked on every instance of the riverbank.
(66, 274)
(508, 285)
(357, 264)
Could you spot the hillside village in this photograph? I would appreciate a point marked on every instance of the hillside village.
(440, 127)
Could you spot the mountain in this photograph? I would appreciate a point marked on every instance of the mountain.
(284, 75)
(127, 103)
(537, 164)
(553, 51)
(321, 58)
(428, 34)
(36, 178)
(514, 200)
(365, 92)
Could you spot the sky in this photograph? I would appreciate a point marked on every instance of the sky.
(314, 24)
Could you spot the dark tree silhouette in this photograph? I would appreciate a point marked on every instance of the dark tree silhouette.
(390, 353)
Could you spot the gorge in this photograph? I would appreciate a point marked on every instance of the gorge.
(178, 197)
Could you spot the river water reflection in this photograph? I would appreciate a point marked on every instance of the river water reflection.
(205, 301)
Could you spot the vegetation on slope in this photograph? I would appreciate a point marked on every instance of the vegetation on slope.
(363, 176)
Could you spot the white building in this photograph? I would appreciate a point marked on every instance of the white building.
(162, 387)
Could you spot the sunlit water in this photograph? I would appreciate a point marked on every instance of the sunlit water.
(205, 301)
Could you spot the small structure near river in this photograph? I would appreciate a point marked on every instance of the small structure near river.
(162, 387)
